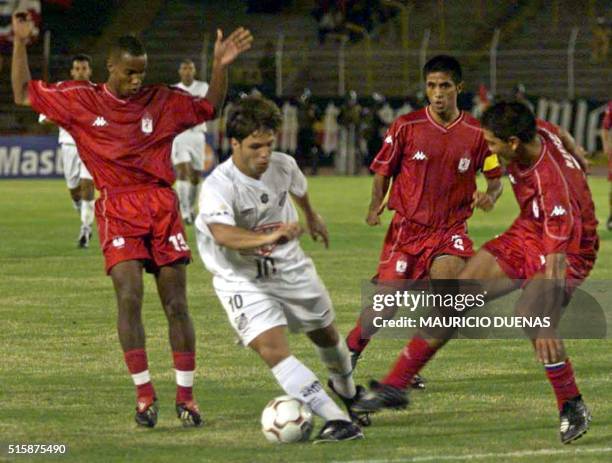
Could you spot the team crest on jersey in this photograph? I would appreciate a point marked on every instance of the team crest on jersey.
(464, 164)
(146, 124)
(241, 322)
(512, 179)
(264, 198)
(401, 266)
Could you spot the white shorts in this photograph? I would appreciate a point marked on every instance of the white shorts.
(74, 169)
(303, 304)
(189, 147)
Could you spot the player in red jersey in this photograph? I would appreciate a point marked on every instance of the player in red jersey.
(569, 143)
(432, 155)
(551, 246)
(124, 132)
(607, 147)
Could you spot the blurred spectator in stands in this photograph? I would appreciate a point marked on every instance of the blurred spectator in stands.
(601, 41)
(349, 159)
(267, 70)
(481, 101)
(330, 18)
(7, 7)
(373, 127)
(266, 6)
(519, 94)
(308, 114)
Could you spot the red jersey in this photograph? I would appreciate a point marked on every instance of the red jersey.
(123, 142)
(607, 120)
(434, 167)
(555, 200)
(542, 124)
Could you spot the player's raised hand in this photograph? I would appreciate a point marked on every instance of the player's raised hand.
(23, 26)
(483, 201)
(226, 51)
(318, 229)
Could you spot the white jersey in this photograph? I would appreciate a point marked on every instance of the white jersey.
(230, 197)
(197, 88)
(64, 137)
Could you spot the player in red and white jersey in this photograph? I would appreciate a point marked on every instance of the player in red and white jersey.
(549, 249)
(124, 131)
(433, 156)
(607, 148)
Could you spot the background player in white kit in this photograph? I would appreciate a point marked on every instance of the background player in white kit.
(78, 179)
(248, 233)
(189, 148)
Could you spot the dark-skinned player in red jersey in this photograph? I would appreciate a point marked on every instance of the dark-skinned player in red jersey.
(432, 155)
(124, 134)
(548, 251)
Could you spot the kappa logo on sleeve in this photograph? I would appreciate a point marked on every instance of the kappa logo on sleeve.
(389, 140)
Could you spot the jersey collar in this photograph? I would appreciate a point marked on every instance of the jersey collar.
(444, 129)
(245, 178)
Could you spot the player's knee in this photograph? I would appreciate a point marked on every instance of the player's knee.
(129, 304)
(176, 309)
(272, 354)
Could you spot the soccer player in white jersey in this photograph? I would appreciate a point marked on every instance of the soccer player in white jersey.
(247, 233)
(78, 179)
(188, 149)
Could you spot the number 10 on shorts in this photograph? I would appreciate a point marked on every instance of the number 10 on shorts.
(179, 243)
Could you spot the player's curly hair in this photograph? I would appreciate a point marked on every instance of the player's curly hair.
(127, 44)
(510, 119)
(252, 114)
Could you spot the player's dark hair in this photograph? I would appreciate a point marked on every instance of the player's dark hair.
(186, 61)
(127, 44)
(82, 57)
(252, 114)
(507, 119)
(444, 63)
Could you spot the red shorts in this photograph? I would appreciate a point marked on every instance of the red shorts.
(519, 253)
(141, 223)
(410, 249)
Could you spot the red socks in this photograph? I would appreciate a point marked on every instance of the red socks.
(136, 361)
(561, 377)
(412, 358)
(184, 365)
(354, 340)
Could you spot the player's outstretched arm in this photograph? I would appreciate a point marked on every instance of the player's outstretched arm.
(225, 52)
(240, 239)
(23, 28)
(314, 222)
(380, 187)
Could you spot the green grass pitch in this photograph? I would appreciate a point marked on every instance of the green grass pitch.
(62, 377)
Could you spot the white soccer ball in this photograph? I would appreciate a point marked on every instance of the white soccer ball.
(285, 420)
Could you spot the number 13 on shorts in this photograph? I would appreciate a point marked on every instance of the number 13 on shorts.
(179, 243)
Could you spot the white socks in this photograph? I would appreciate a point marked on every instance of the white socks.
(337, 359)
(87, 213)
(193, 196)
(182, 189)
(299, 382)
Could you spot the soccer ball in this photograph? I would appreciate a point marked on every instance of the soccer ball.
(285, 420)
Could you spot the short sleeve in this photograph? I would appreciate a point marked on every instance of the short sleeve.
(52, 100)
(299, 184)
(215, 204)
(557, 211)
(388, 159)
(488, 162)
(188, 111)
